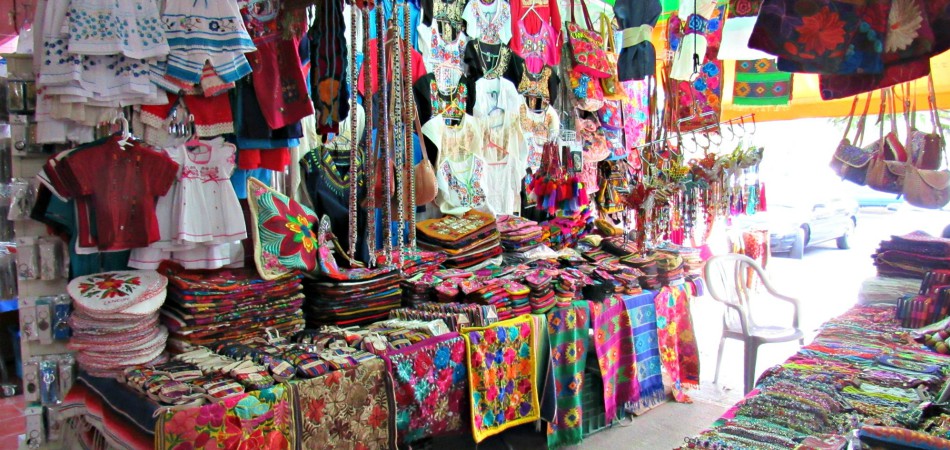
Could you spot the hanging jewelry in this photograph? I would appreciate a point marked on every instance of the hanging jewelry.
(399, 138)
(370, 156)
(383, 138)
(354, 145)
(410, 119)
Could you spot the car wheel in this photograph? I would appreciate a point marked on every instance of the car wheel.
(798, 248)
(842, 241)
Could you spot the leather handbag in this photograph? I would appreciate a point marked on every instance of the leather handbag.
(613, 88)
(851, 161)
(886, 169)
(926, 150)
(928, 188)
(426, 185)
(587, 47)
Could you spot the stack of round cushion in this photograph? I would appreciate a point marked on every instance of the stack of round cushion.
(115, 322)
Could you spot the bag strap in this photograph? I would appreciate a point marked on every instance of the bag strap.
(590, 25)
(935, 117)
(422, 139)
(854, 106)
(606, 30)
(859, 136)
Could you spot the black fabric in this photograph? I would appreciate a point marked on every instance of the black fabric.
(639, 61)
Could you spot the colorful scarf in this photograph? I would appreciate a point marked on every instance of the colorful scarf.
(642, 313)
(760, 83)
(430, 384)
(547, 397)
(501, 376)
(567, 330)
(678, 350)
(613, 340)
(259, 419)
(347, 408)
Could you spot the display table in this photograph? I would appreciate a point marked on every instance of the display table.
(417, 392)
(861, 369)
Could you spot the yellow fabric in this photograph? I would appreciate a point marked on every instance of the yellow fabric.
(478, 433)
(636, 35)
(806, 97)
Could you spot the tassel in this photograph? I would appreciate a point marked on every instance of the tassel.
(762, 206)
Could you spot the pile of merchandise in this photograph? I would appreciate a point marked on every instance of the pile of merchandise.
(352, 302)
(912, 255)
(518, 234)
(115, 322)
(229, 305)
(468, 240)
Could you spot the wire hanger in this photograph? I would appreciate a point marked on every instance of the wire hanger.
(530, 10)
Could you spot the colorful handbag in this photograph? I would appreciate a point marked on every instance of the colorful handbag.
(613, 88)
(592, 139)
(615, 142)
(850, 162)
(611, 115)
(586, 92)
(587, 47)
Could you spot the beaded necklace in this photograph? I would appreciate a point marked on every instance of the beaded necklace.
(410, 119)
(353, 174)
(399, 137)
(383, 139)
(370, 154)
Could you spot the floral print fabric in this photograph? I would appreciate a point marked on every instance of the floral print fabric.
(567, 331)
(501, 376)
(678, 351)
(347, 409)
(700, 99)
(430, 380)
(257, 420)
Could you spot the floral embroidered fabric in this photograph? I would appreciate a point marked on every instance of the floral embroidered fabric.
(460, 185)
(430, 380)
(539, 129)
(282, 230)
(488, 22)
(537, 49)
(347, 409)
(259, 419)
(501, 376)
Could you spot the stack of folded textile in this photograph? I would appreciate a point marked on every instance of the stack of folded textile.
(519, 234)
(648, 267)
(569, 285)
(418, 272)
(115, 322)
(619, 246)
(670, 269)
(912, 255)
(229, 305)
(509, 297)
(541, 283)
(467, 240)
(368, 297)
(562, 232)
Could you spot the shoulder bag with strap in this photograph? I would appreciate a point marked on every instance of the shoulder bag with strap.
(928, 188)
(850, 161)
(587, 47)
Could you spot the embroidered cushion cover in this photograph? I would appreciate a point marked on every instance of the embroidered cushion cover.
(284, 239)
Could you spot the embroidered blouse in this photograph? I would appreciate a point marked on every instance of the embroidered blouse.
(488, 22)
(498, 93)
(539, 128)
(544, 11)
(461, 185)
(425, 97)
(543, 85)
(444, 14)
(493, 60)
(538, 49)
(504, 149)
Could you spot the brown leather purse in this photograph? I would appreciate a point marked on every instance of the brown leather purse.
(426, 186)
(928, 188)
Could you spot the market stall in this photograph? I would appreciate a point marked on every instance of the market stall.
(275, 224)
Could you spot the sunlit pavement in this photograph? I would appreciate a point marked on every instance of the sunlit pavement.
(826, 281)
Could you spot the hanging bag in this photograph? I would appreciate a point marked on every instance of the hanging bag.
(886, 170)
(613, 88)
(928, 188)
(924, 149)
(850, 161)
(426, 185)
(587, 47)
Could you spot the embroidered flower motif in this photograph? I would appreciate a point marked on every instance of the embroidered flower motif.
(291, 226)
(821, 32)
(109, 285)
(903, 22)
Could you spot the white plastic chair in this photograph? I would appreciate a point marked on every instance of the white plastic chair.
(729, 278)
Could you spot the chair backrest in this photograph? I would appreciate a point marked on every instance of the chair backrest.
(730, 279)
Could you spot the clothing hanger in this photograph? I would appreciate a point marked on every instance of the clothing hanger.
(529, 11)
(124, 133)
(194, 145)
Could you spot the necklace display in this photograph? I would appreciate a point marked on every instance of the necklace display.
(410, 119)
(383, 138)
(399, 133)
(354, 145)
(368, 146)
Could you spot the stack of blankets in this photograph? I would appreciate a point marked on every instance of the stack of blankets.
(229, 305)
(367, 297)
(115, 323)
(509, 297)
(467, 241)
(670, 269)
(912, 255)
(518, 234)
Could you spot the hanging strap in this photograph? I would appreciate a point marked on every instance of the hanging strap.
(935, 116)
(854, 107)
(590, 25)
(859, 136)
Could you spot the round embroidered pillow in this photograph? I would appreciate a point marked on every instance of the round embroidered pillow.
(110, 292)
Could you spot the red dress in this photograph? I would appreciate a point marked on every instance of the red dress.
(121, 186)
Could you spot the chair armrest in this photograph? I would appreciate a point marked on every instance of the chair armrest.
(796, 305)
(743, 320)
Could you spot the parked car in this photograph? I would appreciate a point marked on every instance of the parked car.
(795, 225)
